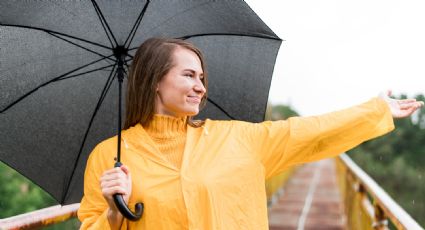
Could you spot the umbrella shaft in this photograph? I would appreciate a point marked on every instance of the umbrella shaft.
(120, 76)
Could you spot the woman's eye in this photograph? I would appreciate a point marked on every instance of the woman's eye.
(188, 75)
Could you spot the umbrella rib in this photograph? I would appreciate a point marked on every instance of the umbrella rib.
(85, 48)
(80, 74)
(105, 90)
(104, 23)
(222, 34)
(221, 109)
(265, 36)
(104, 95)
(136, 25)
(46, 83)
(54, 32)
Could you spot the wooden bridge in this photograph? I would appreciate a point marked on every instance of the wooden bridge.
(310, 200)
(332, 194)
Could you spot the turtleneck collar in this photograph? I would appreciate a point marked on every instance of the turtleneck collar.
(164, 127)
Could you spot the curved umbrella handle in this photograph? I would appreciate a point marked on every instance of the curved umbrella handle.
(122, 206)
(125, 211)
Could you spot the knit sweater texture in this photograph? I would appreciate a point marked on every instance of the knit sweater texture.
(169, 135)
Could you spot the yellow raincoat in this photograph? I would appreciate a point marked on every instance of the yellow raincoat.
(225, 164)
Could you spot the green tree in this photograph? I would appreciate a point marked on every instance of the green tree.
(20, 195)
(283, 112)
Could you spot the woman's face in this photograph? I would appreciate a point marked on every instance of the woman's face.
(180, 91)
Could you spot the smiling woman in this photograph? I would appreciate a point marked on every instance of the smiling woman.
(166, 82)
(209, 174)
(181, 90)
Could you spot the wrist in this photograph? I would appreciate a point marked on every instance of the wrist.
(114, 218)
(114, 213)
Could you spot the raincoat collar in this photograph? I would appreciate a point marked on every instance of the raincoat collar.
(164, 127)
(138, 140)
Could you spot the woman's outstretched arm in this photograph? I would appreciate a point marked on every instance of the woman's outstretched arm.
(281, 144)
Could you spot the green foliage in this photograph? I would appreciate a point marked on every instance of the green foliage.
(282, 112)
(19, 195)
(397, 162)
(66, 225)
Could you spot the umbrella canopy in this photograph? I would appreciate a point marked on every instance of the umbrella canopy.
(58, 62)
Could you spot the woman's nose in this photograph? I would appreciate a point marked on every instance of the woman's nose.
(199, 87)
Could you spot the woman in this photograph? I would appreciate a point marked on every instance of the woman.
(211, 174)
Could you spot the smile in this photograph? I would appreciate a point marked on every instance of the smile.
(194, 99)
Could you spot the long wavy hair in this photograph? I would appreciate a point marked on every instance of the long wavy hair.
(153, 60)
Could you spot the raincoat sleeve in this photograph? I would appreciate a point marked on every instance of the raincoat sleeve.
(281, 144)
(94, 208)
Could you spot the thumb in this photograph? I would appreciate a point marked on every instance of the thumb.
(125, 169)
(385, 94)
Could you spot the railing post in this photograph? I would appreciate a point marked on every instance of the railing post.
(380, 221)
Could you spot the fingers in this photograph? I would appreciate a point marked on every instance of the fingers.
(125, 169)
(115, 180)
(412, 104)
(401, 108)
(110, 188)
(408, 108)
(117, 170)
(408, 112)
(406, 101)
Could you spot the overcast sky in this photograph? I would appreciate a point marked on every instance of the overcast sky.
(338, 53)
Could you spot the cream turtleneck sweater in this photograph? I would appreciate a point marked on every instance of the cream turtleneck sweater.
(169, 134)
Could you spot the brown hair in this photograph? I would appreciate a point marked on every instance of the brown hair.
(153, 60)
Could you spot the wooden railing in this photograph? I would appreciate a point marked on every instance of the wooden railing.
(40, 218)
(367, 205)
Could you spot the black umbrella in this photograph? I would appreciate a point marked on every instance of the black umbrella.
(58, 74)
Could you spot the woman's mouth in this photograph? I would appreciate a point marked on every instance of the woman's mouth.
(194, 99)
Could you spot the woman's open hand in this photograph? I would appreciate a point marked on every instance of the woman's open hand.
(401, 108)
